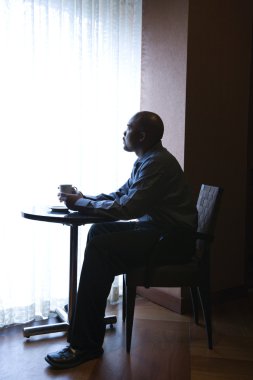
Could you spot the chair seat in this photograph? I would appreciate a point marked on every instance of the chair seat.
(166, 276)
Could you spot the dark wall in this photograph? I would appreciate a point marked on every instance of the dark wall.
(196, 61)
(217, 117)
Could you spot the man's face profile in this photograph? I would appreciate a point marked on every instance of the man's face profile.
(131, 137)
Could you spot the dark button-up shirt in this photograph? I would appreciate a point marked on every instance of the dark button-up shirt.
(155, 192)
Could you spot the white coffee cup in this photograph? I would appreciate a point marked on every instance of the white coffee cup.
(68, 189)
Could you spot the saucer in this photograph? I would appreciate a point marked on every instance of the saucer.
(59, 208)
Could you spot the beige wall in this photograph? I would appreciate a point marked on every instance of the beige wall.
(195, 73)
(163, 85)
(164, 55)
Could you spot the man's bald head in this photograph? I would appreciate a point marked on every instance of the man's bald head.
(145, 129)
(151, 123)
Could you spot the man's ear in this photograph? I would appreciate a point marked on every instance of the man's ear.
(142, 136)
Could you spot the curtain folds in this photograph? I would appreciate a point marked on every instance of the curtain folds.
(70, 80)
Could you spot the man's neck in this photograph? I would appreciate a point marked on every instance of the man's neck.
(143, 150)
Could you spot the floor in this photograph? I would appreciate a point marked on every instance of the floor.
(165, 345)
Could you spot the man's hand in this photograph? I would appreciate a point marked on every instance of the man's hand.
(70, 199)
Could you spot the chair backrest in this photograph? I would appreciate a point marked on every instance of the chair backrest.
(208, 206)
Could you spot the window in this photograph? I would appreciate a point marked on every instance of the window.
(70, 80)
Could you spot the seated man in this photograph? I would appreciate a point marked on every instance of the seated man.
(157, 196)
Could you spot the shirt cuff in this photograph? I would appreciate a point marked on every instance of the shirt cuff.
(82, 202)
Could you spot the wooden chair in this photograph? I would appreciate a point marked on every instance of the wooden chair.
(195, 274)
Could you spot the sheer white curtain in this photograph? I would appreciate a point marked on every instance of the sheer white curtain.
(70, 80)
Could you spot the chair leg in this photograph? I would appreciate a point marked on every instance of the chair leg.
(205, 299)
(194, 298)
(130, 304)
(124, 299)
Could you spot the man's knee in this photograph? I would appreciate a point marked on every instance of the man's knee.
(105, 228)
(93, 231)
(96, 230)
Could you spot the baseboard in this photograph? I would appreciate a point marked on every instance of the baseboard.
(157, 296)
(182, 304)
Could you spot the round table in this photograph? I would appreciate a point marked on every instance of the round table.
(73, 220)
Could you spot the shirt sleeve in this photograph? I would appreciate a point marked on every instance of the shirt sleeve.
(132, 200)
(108, 197)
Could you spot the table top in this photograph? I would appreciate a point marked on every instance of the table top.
(45, 214)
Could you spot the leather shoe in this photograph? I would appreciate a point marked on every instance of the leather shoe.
(69, 357)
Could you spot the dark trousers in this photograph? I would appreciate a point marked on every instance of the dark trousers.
(112, 249)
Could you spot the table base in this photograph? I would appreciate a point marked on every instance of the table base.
(60, 326)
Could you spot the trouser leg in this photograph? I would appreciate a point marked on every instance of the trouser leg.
(106, 255)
